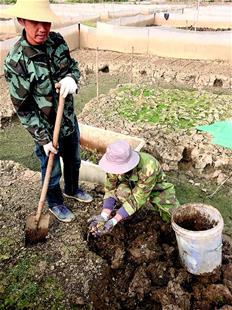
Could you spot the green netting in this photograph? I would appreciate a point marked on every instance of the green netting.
(221, 132)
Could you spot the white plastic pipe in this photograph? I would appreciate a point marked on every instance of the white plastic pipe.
(94, 138)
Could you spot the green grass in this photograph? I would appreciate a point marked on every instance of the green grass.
(18, 289)
(222, 200)
(89, 23)
(21, 289)
(17, 145)
(6, 248)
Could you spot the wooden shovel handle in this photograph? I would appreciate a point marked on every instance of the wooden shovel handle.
(55, 139)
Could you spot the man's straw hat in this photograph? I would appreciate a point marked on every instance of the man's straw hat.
(37, 10)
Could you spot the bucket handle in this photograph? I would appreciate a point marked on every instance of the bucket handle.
(217, 248)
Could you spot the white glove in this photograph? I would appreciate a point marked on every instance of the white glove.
(49, 148)
(68, 86)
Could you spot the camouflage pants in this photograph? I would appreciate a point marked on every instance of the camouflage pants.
(164, 202)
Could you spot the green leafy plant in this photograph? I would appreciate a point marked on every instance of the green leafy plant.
(172, 108)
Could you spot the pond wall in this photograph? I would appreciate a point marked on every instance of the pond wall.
(160, 41)
(127, 33)
(138, 20)
(193, 19)
(96, 140)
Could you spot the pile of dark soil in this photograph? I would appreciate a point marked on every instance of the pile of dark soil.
(144, 270)
(204, 28)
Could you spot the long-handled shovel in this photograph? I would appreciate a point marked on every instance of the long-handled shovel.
(37, 225)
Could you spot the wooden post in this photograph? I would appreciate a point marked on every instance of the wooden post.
(79, 35)
(132, 59)
(196, 20)
(97, 75)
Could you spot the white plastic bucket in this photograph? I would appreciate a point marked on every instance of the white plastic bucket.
(200, 250)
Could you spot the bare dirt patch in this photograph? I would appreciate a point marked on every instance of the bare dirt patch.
(184, 73)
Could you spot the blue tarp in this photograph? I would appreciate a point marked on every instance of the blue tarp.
(221, 132)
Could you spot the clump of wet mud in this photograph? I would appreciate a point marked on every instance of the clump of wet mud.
(143, 270)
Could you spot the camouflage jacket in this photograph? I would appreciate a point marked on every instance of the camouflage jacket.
(31, 73)
(145, 183)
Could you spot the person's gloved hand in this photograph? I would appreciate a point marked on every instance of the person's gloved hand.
(49, 148)
(96, 222)
(67, 86)
(108, 227)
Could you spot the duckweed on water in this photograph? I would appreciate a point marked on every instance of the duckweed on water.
(173, 108)
(18, 145)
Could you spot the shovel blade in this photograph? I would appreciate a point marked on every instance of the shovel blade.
(36, 232)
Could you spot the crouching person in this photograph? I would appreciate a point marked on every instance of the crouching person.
(132, 179)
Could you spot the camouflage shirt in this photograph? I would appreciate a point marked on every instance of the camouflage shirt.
(31, 72)
(145, 183)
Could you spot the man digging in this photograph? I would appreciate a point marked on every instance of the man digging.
(34, 67)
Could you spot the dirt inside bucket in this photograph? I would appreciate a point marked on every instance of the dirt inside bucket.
(194, 221)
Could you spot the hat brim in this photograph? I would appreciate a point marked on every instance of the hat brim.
(39, 15)
(109, 167)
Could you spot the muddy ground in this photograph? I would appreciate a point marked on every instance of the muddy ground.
(135, 267)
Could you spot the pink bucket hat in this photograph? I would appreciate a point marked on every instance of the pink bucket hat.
(119, 158)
